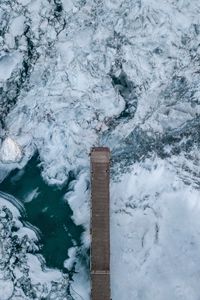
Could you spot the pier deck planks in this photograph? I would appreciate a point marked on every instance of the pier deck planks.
(100, 224)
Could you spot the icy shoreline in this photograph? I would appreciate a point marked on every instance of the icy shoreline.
(22, 274)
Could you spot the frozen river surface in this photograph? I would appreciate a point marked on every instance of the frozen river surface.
(123, 74)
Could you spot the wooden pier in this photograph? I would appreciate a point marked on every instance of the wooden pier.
(100, 224)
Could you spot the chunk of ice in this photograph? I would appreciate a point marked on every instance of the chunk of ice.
(10, 151)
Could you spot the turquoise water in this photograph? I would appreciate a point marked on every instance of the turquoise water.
(47, 211)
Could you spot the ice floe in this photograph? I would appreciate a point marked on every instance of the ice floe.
(10, 151)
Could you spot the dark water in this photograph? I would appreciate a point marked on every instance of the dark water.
(47, 211)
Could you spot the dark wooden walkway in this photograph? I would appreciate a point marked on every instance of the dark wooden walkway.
(100, 224)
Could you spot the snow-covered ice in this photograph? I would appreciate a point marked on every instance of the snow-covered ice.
(10, 151)
(6, 288)
(155, 234)
(74, 74)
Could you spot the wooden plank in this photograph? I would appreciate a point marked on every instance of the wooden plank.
(100, 286)
(100, 224)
